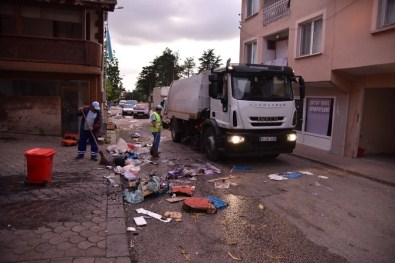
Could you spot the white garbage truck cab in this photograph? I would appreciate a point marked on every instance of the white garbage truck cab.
(237, 110)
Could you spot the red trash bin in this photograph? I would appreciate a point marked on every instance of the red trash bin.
(39, 165)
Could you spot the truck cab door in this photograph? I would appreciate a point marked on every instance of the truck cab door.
(219, 106)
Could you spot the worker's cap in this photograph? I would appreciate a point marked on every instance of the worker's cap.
(96, 105)
(158, 107)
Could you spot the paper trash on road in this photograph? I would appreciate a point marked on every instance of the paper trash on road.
(306, 172)
(140, 220)
(277, 177)
(153, 215)
(221, 185)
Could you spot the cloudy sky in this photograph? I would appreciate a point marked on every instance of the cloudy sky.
(142, 29)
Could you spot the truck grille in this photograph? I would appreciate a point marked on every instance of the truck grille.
(266, 121)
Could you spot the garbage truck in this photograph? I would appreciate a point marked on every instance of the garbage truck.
(236, 110)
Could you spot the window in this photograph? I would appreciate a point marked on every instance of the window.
(252, 7)
(251, 56)
(310, 37)
(319, 113)
(386, 13)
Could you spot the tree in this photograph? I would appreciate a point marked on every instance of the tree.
(208, 60)
(188, 66)
(113, 81)
(161, 72)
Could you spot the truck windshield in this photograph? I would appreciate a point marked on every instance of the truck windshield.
(262, 88)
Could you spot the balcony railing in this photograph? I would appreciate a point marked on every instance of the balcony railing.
(275, 11)
(50, 50)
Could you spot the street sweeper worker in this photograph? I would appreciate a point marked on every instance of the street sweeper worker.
(89, 130)
(156, 127)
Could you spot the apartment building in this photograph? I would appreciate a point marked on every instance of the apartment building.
(345, 50)
(51, 62)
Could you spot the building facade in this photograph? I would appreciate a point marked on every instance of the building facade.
(51, 62)
(345, 50)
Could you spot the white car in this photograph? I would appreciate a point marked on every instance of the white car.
(127, 109)
(121, 103)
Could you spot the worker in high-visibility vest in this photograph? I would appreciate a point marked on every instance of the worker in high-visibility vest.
(156, 127)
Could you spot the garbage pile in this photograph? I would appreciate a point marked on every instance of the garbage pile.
(127, 161)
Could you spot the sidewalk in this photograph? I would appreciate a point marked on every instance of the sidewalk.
(78, 217)
(375, 167)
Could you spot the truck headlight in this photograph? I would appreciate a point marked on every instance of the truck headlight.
(291, 137)
(236, 139)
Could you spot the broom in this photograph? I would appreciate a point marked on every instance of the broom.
(103, 160)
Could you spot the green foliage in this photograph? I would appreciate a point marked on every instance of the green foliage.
(113, 82)
(208, 60)
(188, 66)
(162, 71)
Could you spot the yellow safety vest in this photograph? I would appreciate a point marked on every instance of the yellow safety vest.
(158, 123)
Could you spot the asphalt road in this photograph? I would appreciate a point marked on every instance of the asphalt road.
(328, 216)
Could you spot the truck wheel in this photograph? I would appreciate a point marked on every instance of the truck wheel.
(210, 145)
(176, 135)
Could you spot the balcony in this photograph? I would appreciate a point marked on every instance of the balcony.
(50, 50)
(275, 11)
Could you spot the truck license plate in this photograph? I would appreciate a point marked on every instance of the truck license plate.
(268, 139)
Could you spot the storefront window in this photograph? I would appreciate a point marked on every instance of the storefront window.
(319, 114)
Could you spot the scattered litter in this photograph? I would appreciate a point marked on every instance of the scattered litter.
(121, 146)
(222, 178)
(241, 167)
(233, 257)
(112, 181)
(199, 204)
(277, 177)
(285, 176)
(152, 214)
(175, 199)
(221, 185)
(133, 196)
(216, 170)
(315, 194)
(306, 172)
(175, 215)
(140, 221)
(261, 206)
(323, 177)
(135, 135)
(131, 229)
(292, 175)
(183, 189)
(152, 186)
(318, 184)
(131, 172)
(149, 161)
(218, 203)
(185, 254)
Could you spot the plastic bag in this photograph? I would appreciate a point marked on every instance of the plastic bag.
(133, 196)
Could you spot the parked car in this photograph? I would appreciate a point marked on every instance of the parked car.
(127, 109)
(141, 110)
(121, 103)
